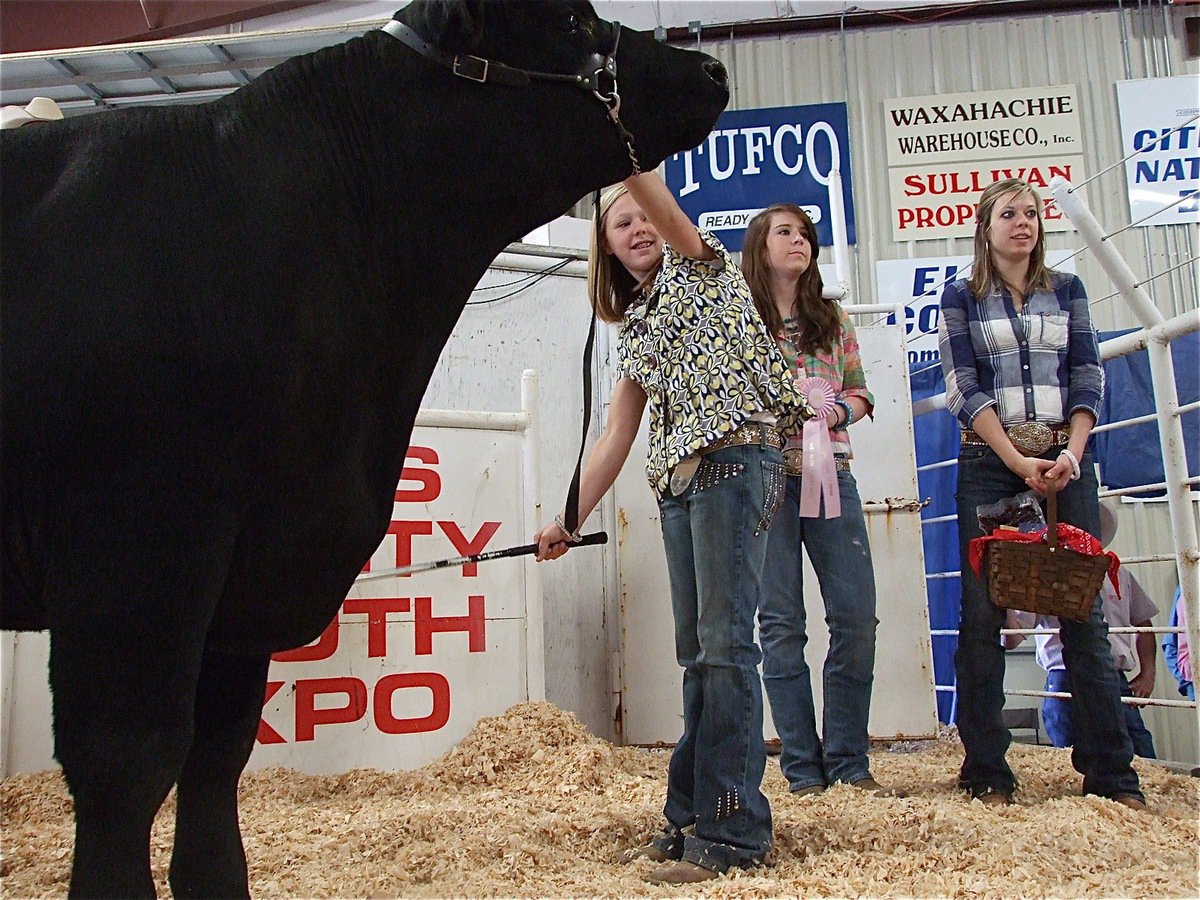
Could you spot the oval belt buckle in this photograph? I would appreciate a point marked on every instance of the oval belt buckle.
(1031, 438)
(682, 474)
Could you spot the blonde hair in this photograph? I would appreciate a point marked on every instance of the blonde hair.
(819, 317)
(611, 288)
(984, 277)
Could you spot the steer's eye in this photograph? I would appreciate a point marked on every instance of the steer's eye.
(572, 23)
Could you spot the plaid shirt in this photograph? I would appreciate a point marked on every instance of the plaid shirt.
(1039, 365)
(842, 368)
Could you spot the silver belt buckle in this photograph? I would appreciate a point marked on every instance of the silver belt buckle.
(682, 474)
(1031, 438)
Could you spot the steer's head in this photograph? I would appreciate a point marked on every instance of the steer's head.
(555, 135)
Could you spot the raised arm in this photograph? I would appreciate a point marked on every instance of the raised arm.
(662, 209)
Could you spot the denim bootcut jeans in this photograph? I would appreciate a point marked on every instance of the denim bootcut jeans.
(841, 558)
(715, 548)
(1059, 718)
(1102, 751)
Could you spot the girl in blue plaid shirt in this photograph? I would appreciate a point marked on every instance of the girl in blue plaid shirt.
(1023, 376)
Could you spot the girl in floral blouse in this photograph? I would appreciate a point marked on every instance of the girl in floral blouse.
(721, 401)
(822, 512)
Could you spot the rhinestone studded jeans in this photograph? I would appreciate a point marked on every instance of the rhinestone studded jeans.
(715, 549)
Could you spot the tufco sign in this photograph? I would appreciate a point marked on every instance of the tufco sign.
(757, 157)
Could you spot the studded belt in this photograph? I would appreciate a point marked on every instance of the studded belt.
(748, 433)
(1030, 438)
(793, 462)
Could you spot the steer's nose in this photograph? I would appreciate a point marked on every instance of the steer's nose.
(714, 70)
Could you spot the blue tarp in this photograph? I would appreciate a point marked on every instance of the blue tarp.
(1127, 457)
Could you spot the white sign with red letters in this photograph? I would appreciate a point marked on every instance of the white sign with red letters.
(411, 662)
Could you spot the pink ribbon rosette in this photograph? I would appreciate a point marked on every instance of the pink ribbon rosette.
(820, 475)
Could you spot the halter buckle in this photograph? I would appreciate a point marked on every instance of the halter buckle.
(480, 64)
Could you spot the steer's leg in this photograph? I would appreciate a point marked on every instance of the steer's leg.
(208, 859)
(122, 719)
(131, 589)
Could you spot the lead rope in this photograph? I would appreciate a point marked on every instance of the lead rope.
(571, 512)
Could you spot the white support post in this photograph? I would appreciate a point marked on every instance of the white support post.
(1166, 397)
(1089, 229)
(531, 462)
(841, 241)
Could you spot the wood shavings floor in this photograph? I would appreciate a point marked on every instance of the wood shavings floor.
(532, 805)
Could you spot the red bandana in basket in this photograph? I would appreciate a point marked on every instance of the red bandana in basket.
(1068, 536)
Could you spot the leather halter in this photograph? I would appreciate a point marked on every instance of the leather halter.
(596, 69)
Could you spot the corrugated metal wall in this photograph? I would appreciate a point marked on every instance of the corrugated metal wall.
(1092, 50)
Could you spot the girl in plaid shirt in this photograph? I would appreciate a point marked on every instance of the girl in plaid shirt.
(1022, 368)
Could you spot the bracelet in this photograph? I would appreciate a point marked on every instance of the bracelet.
(1075, 473)
(572, 536)
(844, 404)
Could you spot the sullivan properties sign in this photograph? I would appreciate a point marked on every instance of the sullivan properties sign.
(943, 150)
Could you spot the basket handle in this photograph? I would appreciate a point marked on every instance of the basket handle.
(1052, 518)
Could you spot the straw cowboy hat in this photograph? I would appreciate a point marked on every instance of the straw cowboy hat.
(40, 109)
(1108, 520)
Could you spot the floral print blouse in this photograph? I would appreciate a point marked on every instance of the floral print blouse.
(699, 349)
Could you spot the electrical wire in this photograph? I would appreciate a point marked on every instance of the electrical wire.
(537, 277)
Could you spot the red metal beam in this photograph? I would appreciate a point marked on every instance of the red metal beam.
(39, 25)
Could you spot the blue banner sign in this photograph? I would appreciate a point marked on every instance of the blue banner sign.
(756, 157)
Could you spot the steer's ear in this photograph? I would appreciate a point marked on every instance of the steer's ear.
(450, 24)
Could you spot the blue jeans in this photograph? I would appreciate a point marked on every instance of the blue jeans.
(1102, 752)
(1056, 715)
(715, 548)
(841, 557)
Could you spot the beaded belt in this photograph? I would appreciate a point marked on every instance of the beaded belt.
(793, 462)
(748, 433)
(1030, 438)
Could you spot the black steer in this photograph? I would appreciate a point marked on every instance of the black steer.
(218, 324)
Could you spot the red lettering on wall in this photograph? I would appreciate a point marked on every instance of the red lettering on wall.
(267, 734)
(437, 684)
(431, 482)
(324, 647)
(404, 531)
(473, 623)
(377, 609)
(308, 716)
(467, 547)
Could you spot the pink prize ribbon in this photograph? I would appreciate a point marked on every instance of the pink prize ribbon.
(820, 476)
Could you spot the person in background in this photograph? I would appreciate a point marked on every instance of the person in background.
(1175, 648)
(721, 406)
(1129, 652)
(779, 259)
(1022, 367)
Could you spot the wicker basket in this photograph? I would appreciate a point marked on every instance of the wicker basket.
(1045, 578)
